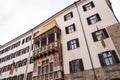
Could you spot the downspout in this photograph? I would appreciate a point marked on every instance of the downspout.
(28, 59)
(95, 77)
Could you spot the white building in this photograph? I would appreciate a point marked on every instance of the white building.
(89, 47)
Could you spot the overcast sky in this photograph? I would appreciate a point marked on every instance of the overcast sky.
(19, 16)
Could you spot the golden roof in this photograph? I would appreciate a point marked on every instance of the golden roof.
(47, 27)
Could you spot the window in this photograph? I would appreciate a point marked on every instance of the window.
(39, 69)
(20, 77)
(44, 41)
(68, 16)
(103, 32)
(46, 77)
(31, 60)
(88, 6)
(43, 63)
(70, 29)
(42, 77)
(55, 75)
(14, 78)
(10, 47)
(24, 62)
(43, 70)
(29, 76)
(23, 41)
(27, 49)
(19, 64)
(76, 66)
(73, 44)
(37, 45)
(7, 67)
(51, 67)
(51, 76)
(51, 38)
(28, 38)
(9, 78)
(93, 19)
(108, 58)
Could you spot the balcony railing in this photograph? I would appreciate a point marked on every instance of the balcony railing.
(46, 48)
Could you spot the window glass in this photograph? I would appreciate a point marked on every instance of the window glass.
(76, 66)
(44, 41)
(88, 6)
(68, 16)
(93, 19)
(108, 58)
(70, 29)
(73, 44)
(102, 32)
(51, 38)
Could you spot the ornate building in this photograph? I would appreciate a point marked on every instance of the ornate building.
(80, 42)
(47, 54)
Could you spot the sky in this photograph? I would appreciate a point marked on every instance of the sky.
(19, 16)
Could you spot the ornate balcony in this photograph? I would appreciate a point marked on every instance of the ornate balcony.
(47, 42)
(47, 50)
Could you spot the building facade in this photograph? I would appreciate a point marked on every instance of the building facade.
(17, 51)
(81, 42)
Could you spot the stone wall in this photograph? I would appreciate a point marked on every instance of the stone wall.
(105, 73)
(114, 32)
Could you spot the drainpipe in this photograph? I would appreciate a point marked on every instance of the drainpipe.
(28, 59)
(95, 77)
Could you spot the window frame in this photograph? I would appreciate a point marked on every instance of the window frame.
(88, 6)
(75, 64)
(68, 16)
(114, 57)
(43, 41)
(73, 44)
(104, 34)
(70, 29)
(93, 19)
(51, 38)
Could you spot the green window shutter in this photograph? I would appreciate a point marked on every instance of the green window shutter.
(101, 59)
(115, 56)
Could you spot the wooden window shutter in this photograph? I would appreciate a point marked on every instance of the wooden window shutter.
(94, 36)
(101, 59)
(115, 56)
(68, 45)
(74, 27)
(70, 66)
(98, 17)
(81, 65)
(73, 66)
(88, 20)
(105, 32)
(77, 42)
(84, 8)
(71, 14)
(65, 18)
(66, 29)
(92, 4)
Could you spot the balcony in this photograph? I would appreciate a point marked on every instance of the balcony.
(47, 50)
(47, 42)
